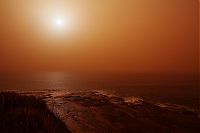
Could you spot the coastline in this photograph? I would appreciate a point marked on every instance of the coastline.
(97, 111)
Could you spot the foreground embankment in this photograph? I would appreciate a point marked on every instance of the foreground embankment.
(27, 114)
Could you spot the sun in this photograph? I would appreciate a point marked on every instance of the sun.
(59, 22)
(64, 23)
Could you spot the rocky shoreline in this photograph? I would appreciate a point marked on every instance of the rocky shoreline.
(94, 112)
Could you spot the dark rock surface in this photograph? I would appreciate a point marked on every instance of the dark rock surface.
(94, 112)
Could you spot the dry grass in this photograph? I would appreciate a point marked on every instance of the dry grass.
(26, 114)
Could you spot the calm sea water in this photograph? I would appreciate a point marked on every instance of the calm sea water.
(173, 89)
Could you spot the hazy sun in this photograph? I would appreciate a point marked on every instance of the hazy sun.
(63, 22)
(59, 22)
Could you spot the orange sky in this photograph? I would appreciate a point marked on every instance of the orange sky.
(105, 36)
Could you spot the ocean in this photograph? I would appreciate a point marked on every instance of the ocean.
(176, 89)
